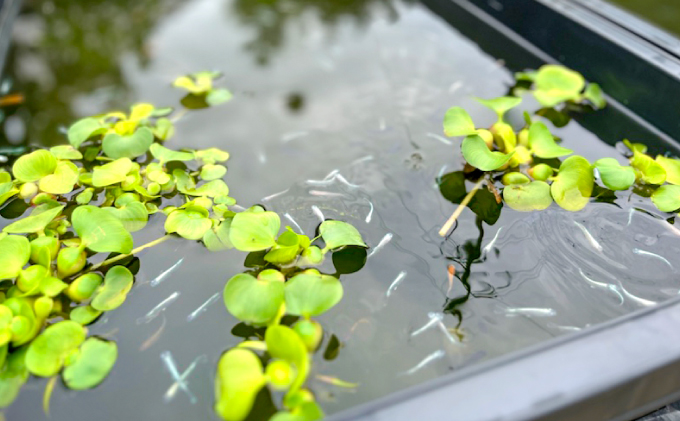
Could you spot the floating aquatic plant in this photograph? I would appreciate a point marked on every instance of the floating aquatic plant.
(531, 163)
(88, 196)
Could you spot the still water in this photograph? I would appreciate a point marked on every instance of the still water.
(337, 106)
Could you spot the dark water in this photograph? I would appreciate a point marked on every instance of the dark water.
(337, 105)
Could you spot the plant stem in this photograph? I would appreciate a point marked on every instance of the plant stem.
(134, 251)
(452, 220)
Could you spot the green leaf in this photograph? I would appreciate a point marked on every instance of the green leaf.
(217, 96)
(131, 146)
(164, 129)
(541, 172)
(672, 168)
(47, 353)
(13, 376)
(667, 198)
(213, 172)
(37, 221)
(574, 183)
(338, 234)
(84, 315)
(528, 197)
(594, 94)
(212, 188)
(306, 411)
(255, 300)
(117, 283)
(141, 111)
(613, 175)
(477, 154)
(217, 237)
(254, 231)
(542, 142)
(82, 130)
(283, 343)
(647, 169)
(191, 222)
(34, 166)
(93, 363)
(62, 181)
(84, 286)
(7, 190)
(500, 105)
(100, 231)
(112, 173)
(457, 122)
(212, 155)
(16, 251)
(555, 84)
(239, 379)
(164, 154)
(287, 247)
(506, 134)
(514, 177)
(310, 295)
(66, 152)
(132, 215)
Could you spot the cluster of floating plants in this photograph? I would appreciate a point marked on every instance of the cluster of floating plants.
(70, 258)
(528, 162)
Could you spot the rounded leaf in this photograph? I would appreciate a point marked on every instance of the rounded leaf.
(672, 168)
(82, 130)
(648, 170)
(542, 142)
(131, 146)
(93, 363)
(117, 283)
(100, 231)
(339, 234)
(528, 197)
(253, 300)
(574, 184)
(457, 122)
(477, 154)
(514, 177)
(191, 223)
(239, 379)
(34, 166)
(309, 295)
(62, 181)
(47, 353)
(16, 250)
(213, 171)
(217, 237)
(132, 215)
(254, 231)
(112, 173)
(36, 221)
(501, 105)
(667, 198)
(66, 152)
(614, 175)
(164, 154)
(555, 84)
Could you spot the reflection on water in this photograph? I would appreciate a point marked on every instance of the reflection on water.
(343, 121)
(272, 19)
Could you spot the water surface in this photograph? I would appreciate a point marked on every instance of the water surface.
(337, 105)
